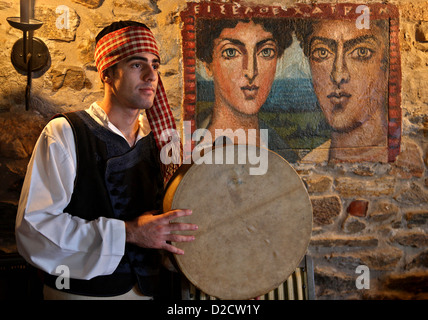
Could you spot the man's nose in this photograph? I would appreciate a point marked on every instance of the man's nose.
(149, 74)
(340, 73)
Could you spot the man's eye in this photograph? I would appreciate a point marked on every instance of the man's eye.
(230, 53)
(320, 54)
(362, 53)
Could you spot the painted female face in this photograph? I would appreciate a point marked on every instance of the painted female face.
(243, 67)
(349, 72)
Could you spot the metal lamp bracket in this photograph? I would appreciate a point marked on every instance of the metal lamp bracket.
(40, 56)
(29, 54)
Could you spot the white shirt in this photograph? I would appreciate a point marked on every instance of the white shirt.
(47, 236)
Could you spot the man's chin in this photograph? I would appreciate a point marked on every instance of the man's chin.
(345, 128)
(146, 106)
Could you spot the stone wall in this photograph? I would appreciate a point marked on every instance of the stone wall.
(364, 214)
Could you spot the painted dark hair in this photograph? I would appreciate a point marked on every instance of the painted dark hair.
(304, 28)
(207, 30)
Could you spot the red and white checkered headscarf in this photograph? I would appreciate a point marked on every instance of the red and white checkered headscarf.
(120, 44)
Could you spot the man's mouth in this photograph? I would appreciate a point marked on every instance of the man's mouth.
(339, 97)
(147, 89)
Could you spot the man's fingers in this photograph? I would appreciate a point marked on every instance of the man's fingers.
(178, 226)
(172, 249)
(155, 231)
(174, 214)
(150, 213)
(179, 238)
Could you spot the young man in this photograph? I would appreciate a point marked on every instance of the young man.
(350, 77)
(94, 183)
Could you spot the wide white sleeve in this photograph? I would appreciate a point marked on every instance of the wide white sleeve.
(47, 236)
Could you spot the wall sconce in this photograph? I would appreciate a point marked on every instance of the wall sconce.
(29, 54)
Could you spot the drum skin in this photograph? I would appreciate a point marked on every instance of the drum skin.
(253, 229)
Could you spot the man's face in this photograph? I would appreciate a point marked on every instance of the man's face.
(135, 81)
(243, 67)
(349, 74)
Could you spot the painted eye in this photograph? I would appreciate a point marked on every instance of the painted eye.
(362, 53)
(320, 54)
(230, 53)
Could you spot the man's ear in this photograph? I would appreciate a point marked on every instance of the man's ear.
(106, 76)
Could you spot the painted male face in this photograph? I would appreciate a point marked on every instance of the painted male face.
(243, 67)
(349, 72)
(135, 81)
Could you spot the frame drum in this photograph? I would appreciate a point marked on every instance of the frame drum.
(254, 229)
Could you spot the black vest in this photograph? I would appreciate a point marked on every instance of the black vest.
(114, 180)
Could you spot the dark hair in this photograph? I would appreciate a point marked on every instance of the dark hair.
(117, 26)
(207, 30)
(304, 28)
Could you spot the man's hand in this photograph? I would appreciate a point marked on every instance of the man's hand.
(153, 231)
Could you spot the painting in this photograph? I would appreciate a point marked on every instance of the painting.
(313, 83)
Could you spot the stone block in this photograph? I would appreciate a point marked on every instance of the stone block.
(358, 208)
(91, 4)
(59, 23)
(126, 7)
(349, 187)
(336, 241)
(384, 211)
(330, 282)
(411, 239)
(12, 148)
(412, 195)
(416, 11)
(417, 219)
(364, 170)
(421, 33)
(86, 48)
(318, 183)
(419, 261)
(325, 209)
(353, 224)
(413, 282)
(69, 76)
(378, 259)
(409, 162)
(414, 88)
